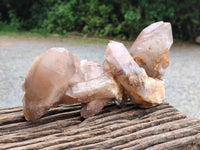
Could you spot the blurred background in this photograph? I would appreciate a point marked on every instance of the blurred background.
(120, 19)
(30, 27)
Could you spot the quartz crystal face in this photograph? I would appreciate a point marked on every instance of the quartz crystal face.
(95, 88)
(151, 48)
(47, 81)
(142, 90)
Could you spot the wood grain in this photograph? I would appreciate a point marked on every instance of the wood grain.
(159, 127)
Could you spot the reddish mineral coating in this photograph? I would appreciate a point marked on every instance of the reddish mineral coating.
(47, 81)
(142, 90)
(151, 48)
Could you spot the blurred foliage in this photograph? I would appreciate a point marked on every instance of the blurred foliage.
(122, 19)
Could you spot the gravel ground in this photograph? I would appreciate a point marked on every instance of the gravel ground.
(16, 56)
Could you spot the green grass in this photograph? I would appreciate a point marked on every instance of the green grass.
(72, 37)
(7, 30)
(20, 34)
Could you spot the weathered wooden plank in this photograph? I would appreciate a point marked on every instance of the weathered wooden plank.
(160, 127)
(10, 110)
(183, 143)
(82, 135)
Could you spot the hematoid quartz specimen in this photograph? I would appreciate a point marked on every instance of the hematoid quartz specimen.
(59, 77)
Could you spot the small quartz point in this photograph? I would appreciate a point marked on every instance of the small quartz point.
(94, 107)
(141, 89)
(151, 48)
(95, 88)
(47, 81)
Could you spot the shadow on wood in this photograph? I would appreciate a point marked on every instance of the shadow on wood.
(159, 127)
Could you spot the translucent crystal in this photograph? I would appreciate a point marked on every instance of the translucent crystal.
(47, 81)
(151, 48)
(96, 87)
(100, 88)
(93, 107)
(142, 90)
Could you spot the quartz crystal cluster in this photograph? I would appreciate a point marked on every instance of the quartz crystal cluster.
(60, 77)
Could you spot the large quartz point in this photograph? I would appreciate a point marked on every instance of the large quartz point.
(151, 48)
(141, 89)
(47, 81)
(95, 88)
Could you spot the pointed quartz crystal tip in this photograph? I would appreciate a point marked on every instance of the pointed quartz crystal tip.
(142, 90)
(47, 81)
(151, 48)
